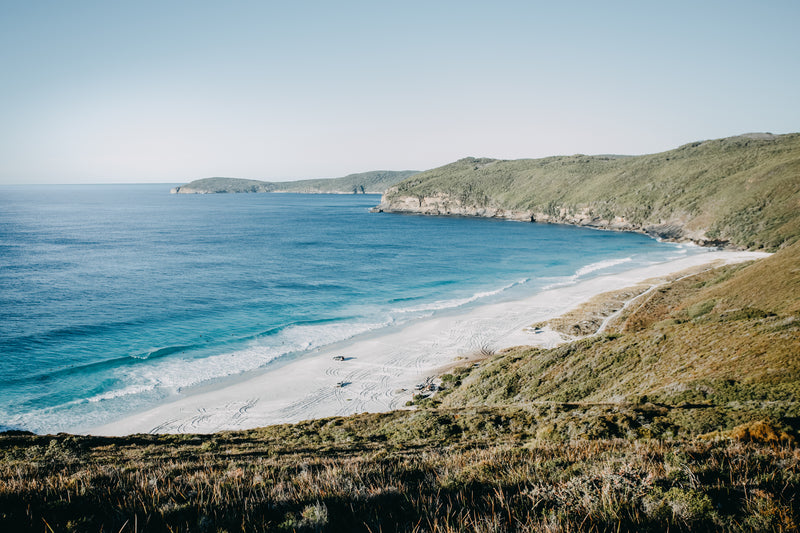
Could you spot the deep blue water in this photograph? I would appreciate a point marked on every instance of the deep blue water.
(114, 297)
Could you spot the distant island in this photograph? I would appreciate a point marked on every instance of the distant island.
(374, 182)
(738, 192)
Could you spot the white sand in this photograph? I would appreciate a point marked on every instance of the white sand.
(381, 371)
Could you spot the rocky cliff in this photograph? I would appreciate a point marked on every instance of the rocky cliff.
(445, 205)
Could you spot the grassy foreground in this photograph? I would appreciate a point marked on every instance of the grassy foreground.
(318, 477)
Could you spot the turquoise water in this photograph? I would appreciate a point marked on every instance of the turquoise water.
(115, 297)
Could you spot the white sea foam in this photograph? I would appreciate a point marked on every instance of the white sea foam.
(118, 393)
(588, 269)
(560, 282)
(601, 265)
(174, 374)
(458, 302)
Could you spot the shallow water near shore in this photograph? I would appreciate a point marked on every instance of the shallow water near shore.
(116, 297)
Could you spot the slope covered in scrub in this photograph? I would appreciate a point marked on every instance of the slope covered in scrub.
(741, 191)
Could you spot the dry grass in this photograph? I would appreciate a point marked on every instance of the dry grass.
(241, 482)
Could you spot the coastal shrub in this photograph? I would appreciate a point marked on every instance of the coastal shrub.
(685, 506)
(761, 431)
(746, 313)
(701, 308)
(425, 401)
(314, 516)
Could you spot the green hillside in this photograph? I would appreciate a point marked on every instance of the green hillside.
(743, 191)
(374, 182)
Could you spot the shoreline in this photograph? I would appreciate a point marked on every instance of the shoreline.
(381, 369)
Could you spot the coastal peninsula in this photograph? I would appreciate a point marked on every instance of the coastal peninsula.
(374, 182)
(738, 192)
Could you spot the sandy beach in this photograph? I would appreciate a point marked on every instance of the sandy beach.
(379, 371)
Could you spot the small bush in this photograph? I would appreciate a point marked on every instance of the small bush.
(701, 308)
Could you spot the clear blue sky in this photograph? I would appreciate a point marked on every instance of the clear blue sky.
(171, 91)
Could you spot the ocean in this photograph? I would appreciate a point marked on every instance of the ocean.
(115, 298)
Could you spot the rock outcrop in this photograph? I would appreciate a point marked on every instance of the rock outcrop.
(673, 230)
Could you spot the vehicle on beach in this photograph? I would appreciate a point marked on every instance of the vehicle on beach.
(428, 386)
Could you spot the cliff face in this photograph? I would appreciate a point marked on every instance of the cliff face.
(738, 192)
(446, 205)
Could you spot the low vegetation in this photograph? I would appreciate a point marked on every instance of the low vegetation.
(405, 471)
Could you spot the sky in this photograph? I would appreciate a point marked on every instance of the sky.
(171, 91)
